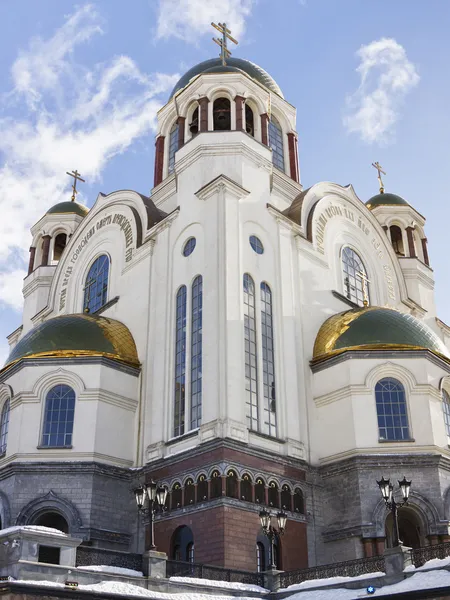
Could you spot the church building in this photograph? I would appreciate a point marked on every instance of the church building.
(240, 340)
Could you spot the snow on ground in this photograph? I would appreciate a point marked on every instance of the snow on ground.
(37, 528)
(435, 563)
(115, 570)
(330, 581)
(233, 585)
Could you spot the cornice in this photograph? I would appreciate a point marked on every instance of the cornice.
(13, 465)
(284, 185)
(167, 188)
(221, 182)
(394, 455)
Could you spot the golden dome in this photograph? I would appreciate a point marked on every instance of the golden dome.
(375, 328)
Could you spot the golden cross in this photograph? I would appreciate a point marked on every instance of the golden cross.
(379, 168)
(76, 177)
(364, 280)
(224, 52)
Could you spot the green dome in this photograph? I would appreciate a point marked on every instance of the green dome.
(375, 328)
(69, 207)
(386, 200)
(235, 63)
(77, 335)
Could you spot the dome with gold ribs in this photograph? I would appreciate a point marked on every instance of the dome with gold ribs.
(77, 335)
(375, 328)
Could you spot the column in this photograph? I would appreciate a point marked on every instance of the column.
(240, 118)
(203, 103)
(31, 263)
(264, 129)
(425, 251)
(368, 547)
(181, 126)
(293, 156)
(410, 238)
(159, 160)
(45, 249)
(379, 545)
(433, 540)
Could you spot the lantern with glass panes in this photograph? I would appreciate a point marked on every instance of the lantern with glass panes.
(156, 496)
(387, 492)
(271, 532)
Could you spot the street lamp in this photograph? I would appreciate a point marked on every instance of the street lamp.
(387, 492)
(271, 532)
(156, 495)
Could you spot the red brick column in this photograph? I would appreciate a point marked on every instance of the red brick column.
(181, 122)
(368, 547)
(45, 249)
(240, 124)
(159, 160)
(293, 156)
(433, 540)
(379, 543)
(31, 263)
(265, 129)
(410, 237)
(425, 251)
(203, 103)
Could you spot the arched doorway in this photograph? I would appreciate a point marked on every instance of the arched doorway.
(264, 552)
(410, 526)
(52, 519)
(182, 544)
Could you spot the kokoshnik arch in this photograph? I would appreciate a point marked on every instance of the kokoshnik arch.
(241, 340)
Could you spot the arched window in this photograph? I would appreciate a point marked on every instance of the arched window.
(193, 125)
(182, 544)
(59, 245)
(96, 285)
(222, 114)
(196, 352)
(286, 497)
(354, 273)
(177, 494)
(445, 409)
(270, 415)
(273, 495)
(397, 240)
(232, 484)
(4, 426)
(391, 410)
(54, 520)
(216, 485)
(299, 502)
(180, 362)
(173, 146)
(202, 488)
(260, 557)
(276, 143)
(189, 492)
(59, 417)
(251, 369)
(190, 552)
(246, 488)
(260, 491)
(249, 121)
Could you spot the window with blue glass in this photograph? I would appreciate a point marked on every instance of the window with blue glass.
(96, 285)
(59, 417)
(173, 146)
(356, 282)
(446, 410)
(189, 246)
(268, 361)
(180, 362)
(256, 244)
(391, 410)
(251, 356)
(276, 143)
(196, 352)
(4, 426)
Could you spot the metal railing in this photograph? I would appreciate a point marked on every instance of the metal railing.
(87, 556)
(349, 568)
(421, 555)
(186, 569)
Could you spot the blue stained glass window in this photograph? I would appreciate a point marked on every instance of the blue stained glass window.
(267, 337)
(96, 285)
(353, 267)
(446, 410)
(196, 352)
(59, 417)
(391, 410)
(276, 143)
(256, 244)
(173, 147)
(251, 366)
(180, 362)
(189, 246)
(4, 425)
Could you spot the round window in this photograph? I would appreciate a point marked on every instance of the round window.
(256, 244)
(189, 246)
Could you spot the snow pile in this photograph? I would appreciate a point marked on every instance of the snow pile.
(435, 563)
(36, 528)
(114, 570)
(331, 581)
(419, 581)
(232, 585)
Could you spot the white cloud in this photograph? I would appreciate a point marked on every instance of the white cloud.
(62, 115)
(386, 78)
(187, 19)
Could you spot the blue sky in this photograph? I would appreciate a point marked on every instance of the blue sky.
(81, 83)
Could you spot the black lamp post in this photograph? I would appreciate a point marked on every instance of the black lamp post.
(156, 495)
(271, 532)
(387, 492)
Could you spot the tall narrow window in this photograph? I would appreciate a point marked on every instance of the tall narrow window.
(249, 121)
(391, 410)
(59, 417)
(173, 146)
(446, 410)
(276, 143)
(270, 415)
(96, 285)
(196, 352)
(59, 245)
(251, 369)
(397, 240)
(355, 276)
(222, 114)
(180, 362)
(4, 426)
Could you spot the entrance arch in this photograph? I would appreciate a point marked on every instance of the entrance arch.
(182, 544)
(410, 526)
